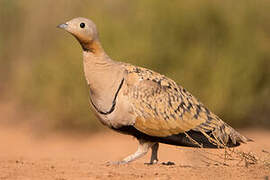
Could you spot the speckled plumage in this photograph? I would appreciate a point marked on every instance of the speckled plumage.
(163, 108)
(145, 104)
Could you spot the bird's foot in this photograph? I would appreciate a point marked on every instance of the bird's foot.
(155, 161)
(111, 163)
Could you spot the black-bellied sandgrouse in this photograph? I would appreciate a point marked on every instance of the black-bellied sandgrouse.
(145, 104)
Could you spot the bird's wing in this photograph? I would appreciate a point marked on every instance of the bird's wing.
(162, 108)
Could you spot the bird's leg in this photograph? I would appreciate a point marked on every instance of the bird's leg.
(154, 158)
(141, 151)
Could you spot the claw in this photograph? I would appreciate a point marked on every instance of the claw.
(152, 162)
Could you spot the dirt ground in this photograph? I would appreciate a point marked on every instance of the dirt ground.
(23, 155)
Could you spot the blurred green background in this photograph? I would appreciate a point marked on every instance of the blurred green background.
(218, 50)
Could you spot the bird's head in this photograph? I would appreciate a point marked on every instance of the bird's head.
(84, 30)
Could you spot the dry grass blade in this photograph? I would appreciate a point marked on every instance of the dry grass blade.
(230, 154)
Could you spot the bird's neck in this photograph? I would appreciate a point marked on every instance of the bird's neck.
(103, 76)
(94, 47)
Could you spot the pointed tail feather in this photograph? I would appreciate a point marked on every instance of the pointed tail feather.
(228, 136)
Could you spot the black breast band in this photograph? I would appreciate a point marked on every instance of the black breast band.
(113, 103)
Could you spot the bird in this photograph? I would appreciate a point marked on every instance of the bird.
(145, 104)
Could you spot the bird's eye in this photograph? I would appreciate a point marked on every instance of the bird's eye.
(82, 25)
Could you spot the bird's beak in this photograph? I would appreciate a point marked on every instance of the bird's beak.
(62, 26)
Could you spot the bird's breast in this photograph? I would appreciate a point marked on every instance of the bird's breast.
(121, 115)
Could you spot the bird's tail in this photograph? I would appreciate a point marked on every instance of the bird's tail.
(225, 136)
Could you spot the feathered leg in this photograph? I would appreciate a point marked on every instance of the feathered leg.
(154, 158)
(141, 151)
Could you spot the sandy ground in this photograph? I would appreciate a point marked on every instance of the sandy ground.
(24, 155)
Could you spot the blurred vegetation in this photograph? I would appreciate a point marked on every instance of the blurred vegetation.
(218, 50)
